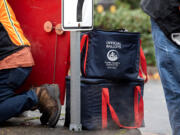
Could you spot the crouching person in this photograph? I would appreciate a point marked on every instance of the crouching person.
(15, 65)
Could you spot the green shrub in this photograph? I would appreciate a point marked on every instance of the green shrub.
(134, 21)
(133, 4)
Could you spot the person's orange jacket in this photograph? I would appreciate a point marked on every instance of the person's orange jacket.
(11, 25)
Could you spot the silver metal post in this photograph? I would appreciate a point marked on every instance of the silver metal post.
(75, 99)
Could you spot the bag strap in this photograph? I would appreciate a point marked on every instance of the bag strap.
(138, 106)
(84, 42)
(138, 109)
(143, 64)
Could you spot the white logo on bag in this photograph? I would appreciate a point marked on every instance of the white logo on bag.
(113, 45)
(112, 55)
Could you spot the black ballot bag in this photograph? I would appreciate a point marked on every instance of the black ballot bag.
(112, 55)
(105, 104)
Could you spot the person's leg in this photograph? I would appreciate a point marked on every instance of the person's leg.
(11, 104)
(168, 63)
(11, 80)
(14, 106)
(45, 98)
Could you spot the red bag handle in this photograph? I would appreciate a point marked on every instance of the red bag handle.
(138, 106)
(143, 64)
(84, 42)
(138, 109)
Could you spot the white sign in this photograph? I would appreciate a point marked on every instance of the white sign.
(77, 15)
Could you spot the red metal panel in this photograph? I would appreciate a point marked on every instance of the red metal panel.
(32, 14)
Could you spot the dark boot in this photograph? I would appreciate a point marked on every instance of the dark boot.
(49, 104)
(44, 118)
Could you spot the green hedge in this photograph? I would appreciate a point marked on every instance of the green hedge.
(132, 3)
(134, 20)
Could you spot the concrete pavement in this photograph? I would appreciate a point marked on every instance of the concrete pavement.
(156, 115)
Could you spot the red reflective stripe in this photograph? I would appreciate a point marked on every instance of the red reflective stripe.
(104, 111)
(143, 63)
(138, 109)
(84, 42)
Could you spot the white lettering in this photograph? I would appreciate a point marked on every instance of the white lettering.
(113, 44)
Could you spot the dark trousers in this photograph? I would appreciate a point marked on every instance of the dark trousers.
(12, 104)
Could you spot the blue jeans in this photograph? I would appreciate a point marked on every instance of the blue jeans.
(12, 104)
(168, 62)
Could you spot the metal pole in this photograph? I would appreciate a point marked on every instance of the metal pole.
(75, 95)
